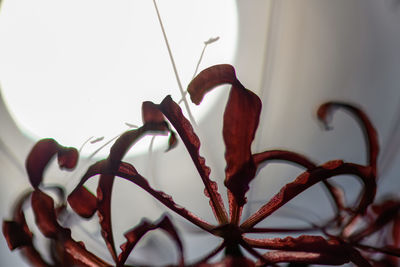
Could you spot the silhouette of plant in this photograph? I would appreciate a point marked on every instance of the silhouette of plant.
(340, 240)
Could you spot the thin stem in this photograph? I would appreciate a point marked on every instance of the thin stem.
(206, 43)
(178, 80)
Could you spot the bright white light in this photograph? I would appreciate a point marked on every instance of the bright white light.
(75, 69)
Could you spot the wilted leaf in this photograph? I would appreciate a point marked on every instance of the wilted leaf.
(42, 153)
(134, 235)
(367, 127)
(173, 112)
(309, 178)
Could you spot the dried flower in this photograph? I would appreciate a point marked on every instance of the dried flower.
(339, 241)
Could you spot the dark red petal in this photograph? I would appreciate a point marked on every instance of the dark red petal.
(240, 123)
(283, 155)
(83, 202)
(106, 181)
(38, 159)
(17, 232)
(40, 155)
(67, 157)
(309, 178)
(46, 220)
(45, 216)
(128, 172)
(305, 243)
(209, 78)
(241, 118)
(18, 235)
(104, 191)
(134, 235)
(78, 254)
(173, 112)
(150, 113)
(129, 138)
(303, 257)
(368, 129)
(33, 257)
(15, 235)
(335, 191)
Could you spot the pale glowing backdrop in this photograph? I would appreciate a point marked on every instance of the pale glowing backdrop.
(293, 54)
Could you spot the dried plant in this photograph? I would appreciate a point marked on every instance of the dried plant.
(340, 240)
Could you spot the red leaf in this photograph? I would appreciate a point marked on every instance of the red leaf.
(42, 153)
(305, 243)
(241, 119)
(117, 152)
(209, 78)
(18, 235)
(335, 192)
(150, 113)
(284, 155)
(368, 129)
(129, 138)
(83, 202)
(128, 172)
(134, 235)
(173, 112)
(46, 220)
(104, 191)
(45, 216)
(15, 235)
(309, 178)
(302, 257)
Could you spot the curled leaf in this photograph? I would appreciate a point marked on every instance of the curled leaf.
(81, 200)
(283, 155)
(305, 243)
(128, 172)
(335, 191)
(134, 235)
(302, 258)
(368, 128)
(309, 178)
(117, 152)
(40, 155)
(150, 113)
(241, 119)
(46, 220)
(15, 235)
(174, 114)
(45, 216)
(209, 78)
